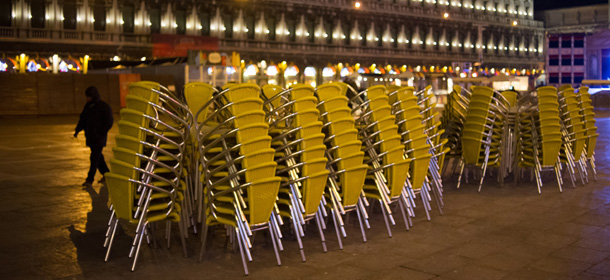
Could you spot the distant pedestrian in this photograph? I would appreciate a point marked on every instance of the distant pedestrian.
(96, 120)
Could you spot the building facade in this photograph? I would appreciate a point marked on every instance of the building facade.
(492, 33)
(578, 44)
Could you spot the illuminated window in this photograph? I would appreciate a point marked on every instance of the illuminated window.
(328, 72)
(272, 70)
(291, 71)
(344, 72)
(251, 70)
(310, 72)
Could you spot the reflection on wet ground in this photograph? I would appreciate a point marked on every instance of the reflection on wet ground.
(53, 228)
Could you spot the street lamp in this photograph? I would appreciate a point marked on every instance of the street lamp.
(357, 5)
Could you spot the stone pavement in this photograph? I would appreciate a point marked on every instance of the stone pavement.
(52, 228)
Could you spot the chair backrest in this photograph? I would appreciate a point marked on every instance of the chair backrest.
(129, 143)
(550, 150)
(583, 90)
(228, 85)
(197, 95)
(256, 157)
(245, 105)
(392, 88)
(376, 91)
(313, 189)
(131, 129)
(144, 89)
(122, 193)
(242, 91)
(511, 97)
(546, 91)
(140, 104)
(471, 145)
(134, 116)
(327, 91)
(591, 141)
(564, 87)
(261, 199)
(483, 92)
(301, 90)
(352, 181)
(419, 170)
(270, 91)
(304, 103)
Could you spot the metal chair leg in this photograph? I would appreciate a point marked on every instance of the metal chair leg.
(334, 215)
(241, 250)
(115, 224)
(319, 222)
(461, 172)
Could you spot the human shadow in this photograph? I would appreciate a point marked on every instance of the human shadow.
(89, 244)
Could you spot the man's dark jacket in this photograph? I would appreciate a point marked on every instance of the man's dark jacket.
(96, 119)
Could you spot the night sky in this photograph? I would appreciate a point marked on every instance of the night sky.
(540, 5)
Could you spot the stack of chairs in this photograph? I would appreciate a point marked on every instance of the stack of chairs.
(148, 181)
(344, 190)
(384, 151)
(510, 98)
(437, 144)
(503, 131)
(415, 141)
(298, 143)
(239, 184)
(482, 135)
(586, 110)
(453, 116)
(452, 121)
(539, 134)
(197, 95)
(574, 133)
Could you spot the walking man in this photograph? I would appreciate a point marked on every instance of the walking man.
(96, 120)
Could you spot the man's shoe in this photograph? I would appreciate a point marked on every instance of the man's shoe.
(87, 184)
(103, 180)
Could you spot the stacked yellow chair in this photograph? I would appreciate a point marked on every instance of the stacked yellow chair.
(347, 171)
(239, 182)
(453, 117)
(501, 145)
(385, 152)
(480, 135)
(197, 96)
(175, 121)
(438, 150)
(511, 99)
(540, 135)
(417, 147)
(452, 121)
(299, 151)
(574, 132)
(146, 183)
(586, 110)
